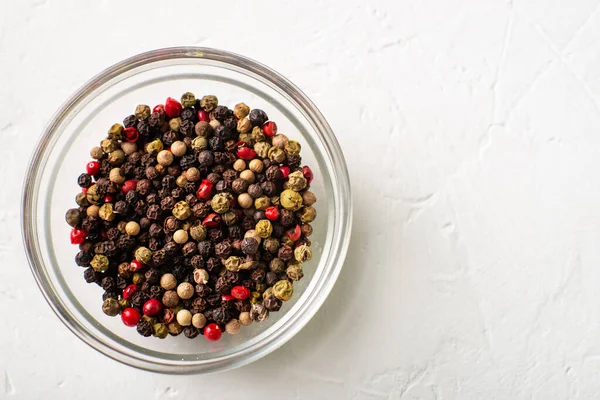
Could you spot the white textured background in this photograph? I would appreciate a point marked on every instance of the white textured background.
(474, 268)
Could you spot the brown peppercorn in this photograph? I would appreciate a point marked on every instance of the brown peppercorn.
(249, 245)
(233, 327)
(171, 224)
(245, 318)
(259, 312)
(271, 245)
(241, 110)
(307, 214)
(294, 272)
(244, 200)
(209, 102)
(96, 153)
(116, 176)
(283, 290)
(193, 174)
(279, 140)
(142, 111)
(170, 298)
(185, 290)
(124, 270)
(199, 320)
(174, 328)
(168, 281)
(308, 198)
(117, 157)
(256, 166)
(248, 176)
(203, 130)
(306, 229)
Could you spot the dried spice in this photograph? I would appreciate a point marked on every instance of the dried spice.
(195, 215)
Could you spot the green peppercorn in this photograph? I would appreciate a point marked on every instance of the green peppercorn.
(260, 287)
(264, 228)
(124, 303)
(283, 290)
(142, 111)
(198, 232)
(209, 102)
(255, 297)
(262, 203)
(108, 145)
(99, 263)
(92, 195)
(199, 143)
(111, 307)
(81, 199)
(267, 293)
(262, 149)
(258, 135)
(143, 255)
(154, 147)
(294, 272)
(290, 200)
(246, 137)
(241, 110)
(115, 131)
(138, 278)
(160, 330)
(277, 265)
(73, 217)
(276, 154)
(174, 328)
(233, 263)
(221, 202)
(303, 253)
(188, 99)
(296, 181)
(292, 147)
(307, 214)
(182, 210)
(106, 212)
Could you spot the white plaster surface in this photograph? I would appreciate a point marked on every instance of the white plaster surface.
(474, 267)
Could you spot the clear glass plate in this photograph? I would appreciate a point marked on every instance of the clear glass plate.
(63, 151)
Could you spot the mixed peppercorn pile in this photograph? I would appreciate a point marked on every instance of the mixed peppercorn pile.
(193, 218)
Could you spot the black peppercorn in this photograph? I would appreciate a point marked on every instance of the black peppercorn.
(144, 328)
(190, 332)
(257, 117)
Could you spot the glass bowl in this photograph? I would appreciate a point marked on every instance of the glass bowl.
(63, 151)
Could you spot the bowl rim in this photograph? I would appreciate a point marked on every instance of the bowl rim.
(339, 175)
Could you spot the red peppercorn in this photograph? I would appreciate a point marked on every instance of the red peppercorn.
(205, 189)
(129, 291)
(172, 107)
(130, 134)
(285, 171)
(203, 116)
(240, 292)
(272, 213)
(130, 317)
(159, 109)
(212, 332)
(84, 190)
(152, 307)
(226, 297)
(246, 153)
(93, 168)
(270, 128)
(104, 234)
(108, 199)
(129, 186)
(294, 233)
(308, 174)
(212, 220)
(135, 265)
(78, 236)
